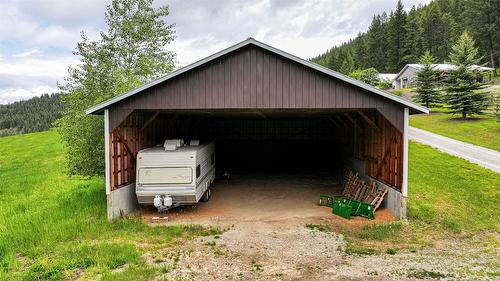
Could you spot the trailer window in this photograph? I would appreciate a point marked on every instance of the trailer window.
(165, 175)
(198, 171)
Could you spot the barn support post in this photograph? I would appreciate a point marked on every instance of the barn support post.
(107, 172)
(404, 186)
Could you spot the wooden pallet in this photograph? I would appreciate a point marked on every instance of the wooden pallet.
(357, 189)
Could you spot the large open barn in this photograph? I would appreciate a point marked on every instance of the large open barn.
(271, 115)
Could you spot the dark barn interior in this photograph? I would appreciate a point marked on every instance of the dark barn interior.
(262, 141)
(269, 141)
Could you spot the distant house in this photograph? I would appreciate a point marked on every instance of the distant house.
(406, 77)
(389, 77)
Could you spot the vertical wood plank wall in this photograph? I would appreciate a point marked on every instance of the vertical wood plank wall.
(382, 150)
(122, 161)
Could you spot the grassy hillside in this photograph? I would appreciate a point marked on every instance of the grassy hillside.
(481, 130)
(54, 227)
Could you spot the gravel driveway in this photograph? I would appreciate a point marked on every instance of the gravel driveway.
(287, 250)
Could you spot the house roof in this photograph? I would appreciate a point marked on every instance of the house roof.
(387, 76)
(98, 109)
(444, 67)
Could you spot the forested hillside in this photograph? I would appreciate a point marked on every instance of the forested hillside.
(33, 115)
(402, 37)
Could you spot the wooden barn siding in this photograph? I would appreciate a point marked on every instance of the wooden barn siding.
(253, 78)
(382, 150)
(125, 141)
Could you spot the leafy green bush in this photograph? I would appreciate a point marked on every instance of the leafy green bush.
(368, 76)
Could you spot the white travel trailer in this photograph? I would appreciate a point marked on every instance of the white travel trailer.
(174, 174)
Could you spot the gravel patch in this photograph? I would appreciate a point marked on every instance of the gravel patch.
(287, 250)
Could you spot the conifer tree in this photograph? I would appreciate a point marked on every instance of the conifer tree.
(463, 83)
(388, 45)
(426, 81)
(396, 34)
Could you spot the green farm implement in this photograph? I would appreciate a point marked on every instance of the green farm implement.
(346, 207)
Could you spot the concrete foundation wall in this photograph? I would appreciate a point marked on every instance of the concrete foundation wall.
(122, 201)
(394, 200)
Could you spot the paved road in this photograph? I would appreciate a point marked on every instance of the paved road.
(476, 154)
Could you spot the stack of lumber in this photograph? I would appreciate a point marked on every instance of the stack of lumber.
(357, 189)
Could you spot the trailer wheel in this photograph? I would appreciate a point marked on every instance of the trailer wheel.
(205, 196)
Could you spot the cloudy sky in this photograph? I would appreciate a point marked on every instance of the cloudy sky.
(37, 37)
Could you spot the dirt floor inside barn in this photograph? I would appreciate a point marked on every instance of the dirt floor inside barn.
(273, 229)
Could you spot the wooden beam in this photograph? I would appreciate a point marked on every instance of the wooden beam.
(334, 122)
(149, 121)
(129, 151)
(368, 120)
(341, 121)
(353, 121)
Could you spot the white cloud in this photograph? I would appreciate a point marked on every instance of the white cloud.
(11, 94)
(27, 53)
(31, 74)
(37, 37)
(48, 24)
(67, 13)
(303, 28)
(52, 67)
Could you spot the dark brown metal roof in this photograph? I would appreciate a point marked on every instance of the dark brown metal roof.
(252, 74)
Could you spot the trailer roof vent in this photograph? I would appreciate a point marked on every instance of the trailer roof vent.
(173, 144)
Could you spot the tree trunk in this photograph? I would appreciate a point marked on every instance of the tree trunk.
(464, 115)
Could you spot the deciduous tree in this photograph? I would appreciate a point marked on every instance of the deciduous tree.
(132, 51)
(368, 76)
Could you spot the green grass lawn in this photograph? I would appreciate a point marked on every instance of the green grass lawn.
(479, 130)
(52, 226)
(451, 194)
(448, 198)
